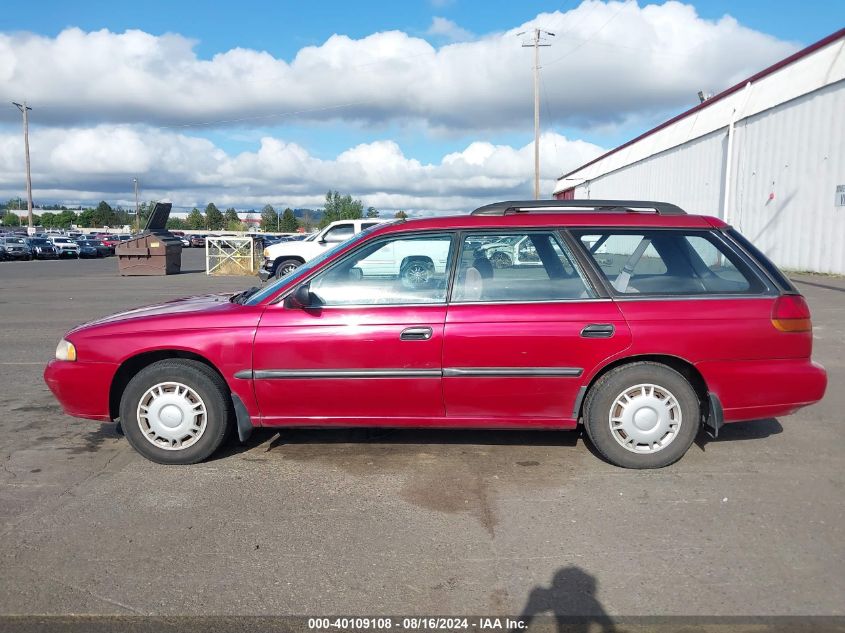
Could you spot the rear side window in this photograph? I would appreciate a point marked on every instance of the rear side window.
(668, 262)
(523, 267)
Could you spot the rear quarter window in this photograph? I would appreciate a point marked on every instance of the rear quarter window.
(668, 262)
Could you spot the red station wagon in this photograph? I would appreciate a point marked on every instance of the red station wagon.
(638, 321)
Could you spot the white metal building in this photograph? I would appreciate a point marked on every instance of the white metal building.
(767, 155)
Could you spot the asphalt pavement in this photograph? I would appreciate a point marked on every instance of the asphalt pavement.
(315, 522)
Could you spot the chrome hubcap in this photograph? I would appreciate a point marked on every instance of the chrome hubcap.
(417, 274)
(287, 269)
(172, 416)
(645, 418)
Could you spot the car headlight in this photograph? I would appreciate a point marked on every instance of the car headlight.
(65, 350)
(266, 252)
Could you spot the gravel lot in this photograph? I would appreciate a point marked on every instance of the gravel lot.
(400, 522)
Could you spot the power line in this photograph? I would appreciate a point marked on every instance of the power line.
(590, 37)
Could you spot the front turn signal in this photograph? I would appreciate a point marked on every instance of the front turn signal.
(65, 351)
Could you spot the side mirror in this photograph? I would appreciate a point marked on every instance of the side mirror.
(299, 298)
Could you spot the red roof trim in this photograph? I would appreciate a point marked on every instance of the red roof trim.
(767, 71)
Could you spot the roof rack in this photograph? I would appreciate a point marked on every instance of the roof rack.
(575, 206)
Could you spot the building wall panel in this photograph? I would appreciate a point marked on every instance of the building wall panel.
(689, 175)
(788, 162)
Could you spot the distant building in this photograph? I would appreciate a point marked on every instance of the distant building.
(767, 155)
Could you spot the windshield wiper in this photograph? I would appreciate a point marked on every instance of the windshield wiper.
(242, 296)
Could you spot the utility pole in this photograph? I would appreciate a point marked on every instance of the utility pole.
(25, 111)
(137, 208)
(536, 43)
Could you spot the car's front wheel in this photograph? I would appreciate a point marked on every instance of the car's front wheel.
(176, 411)
(287, 266)
(642, 415)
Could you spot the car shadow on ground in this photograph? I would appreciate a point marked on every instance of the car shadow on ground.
(278, 437)
(734, 431)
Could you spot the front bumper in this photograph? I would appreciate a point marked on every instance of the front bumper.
(81, 388)
(267, 269)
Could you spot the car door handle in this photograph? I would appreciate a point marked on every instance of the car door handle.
(416, 334)
(598, 330)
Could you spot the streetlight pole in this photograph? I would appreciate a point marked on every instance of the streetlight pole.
(25, 111)
(137, 208)
(536, 43)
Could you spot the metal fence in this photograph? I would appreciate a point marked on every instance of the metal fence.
(230, 256)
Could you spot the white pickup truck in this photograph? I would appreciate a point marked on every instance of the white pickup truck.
(283, 257)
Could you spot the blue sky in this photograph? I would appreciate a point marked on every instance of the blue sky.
(614, 71)
(282, 28)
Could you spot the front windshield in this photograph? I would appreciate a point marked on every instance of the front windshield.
(303, 270)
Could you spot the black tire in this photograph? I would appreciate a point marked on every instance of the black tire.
(210, 388)
(286, 266)
(601, 398)
(416, 273)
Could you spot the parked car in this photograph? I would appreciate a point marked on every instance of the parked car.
(89, 249)
(186, 243)
(16, 247)
(102, 249)
(67, 246)
(4, 256)
(284, 257)
(106, 245)
(197, 241)
(641, 323)
(42, 248)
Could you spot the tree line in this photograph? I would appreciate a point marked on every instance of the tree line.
(336, 207)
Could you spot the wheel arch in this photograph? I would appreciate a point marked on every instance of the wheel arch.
(681, 365)
(282, 258)
(132, 365)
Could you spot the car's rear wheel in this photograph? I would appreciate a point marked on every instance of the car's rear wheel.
(176, 411)
(642, 415)
(287, 266)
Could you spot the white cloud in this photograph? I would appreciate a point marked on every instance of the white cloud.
(89, 164)
(448, 30)
(608, 61)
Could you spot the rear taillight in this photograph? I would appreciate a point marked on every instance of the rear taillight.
(791, 314)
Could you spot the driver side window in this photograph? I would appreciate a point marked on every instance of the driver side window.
(393, 271)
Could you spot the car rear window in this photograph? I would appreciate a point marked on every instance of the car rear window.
(668, 262)
(776, 274)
